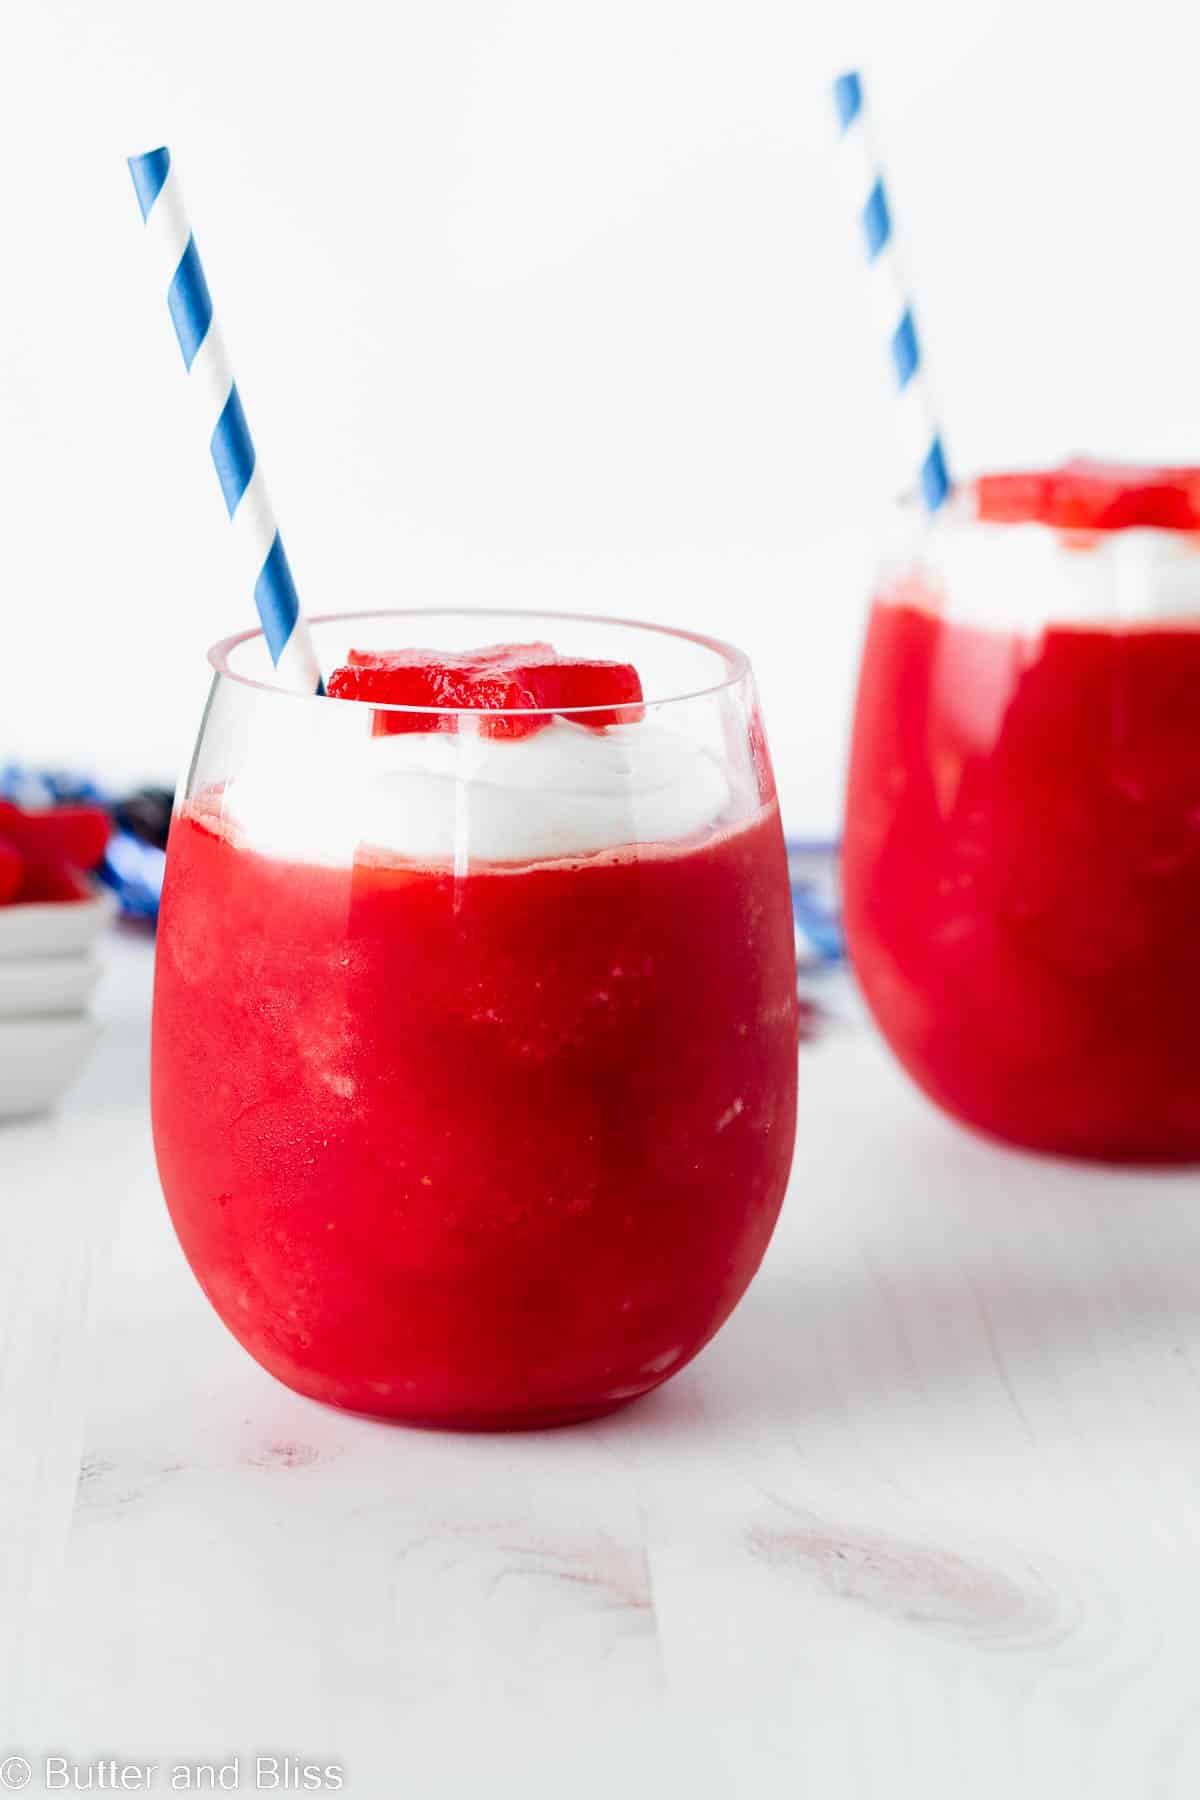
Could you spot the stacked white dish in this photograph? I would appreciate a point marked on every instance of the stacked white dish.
(48, 970)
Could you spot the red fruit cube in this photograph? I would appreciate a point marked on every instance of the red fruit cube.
(1092, 496)
(568, 687)
(503, 680)
(431, 678)
(12, 868)
(1013, 498)
(75, 834)
(52, 878)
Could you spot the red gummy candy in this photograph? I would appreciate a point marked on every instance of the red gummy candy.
(12, 868)
(1093, 496)
(73, 834)
(503, 680)
(52, 878)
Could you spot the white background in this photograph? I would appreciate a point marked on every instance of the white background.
(554, 302)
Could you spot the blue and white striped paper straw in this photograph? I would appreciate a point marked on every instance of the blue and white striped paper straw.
(919, 420)
(260, 546)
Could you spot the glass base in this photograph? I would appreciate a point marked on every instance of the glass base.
(494, 1424)
(1115, 1152)
(490, 1423)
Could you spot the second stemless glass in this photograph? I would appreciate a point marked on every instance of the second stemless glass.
(1022, 851)
(474, 1063)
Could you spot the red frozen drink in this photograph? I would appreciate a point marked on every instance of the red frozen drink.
(481, 1115)
(1022, 858)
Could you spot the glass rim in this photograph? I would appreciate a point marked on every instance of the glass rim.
(736, 661)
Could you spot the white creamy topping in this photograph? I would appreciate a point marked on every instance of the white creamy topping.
(566, 790)
(1022, 577)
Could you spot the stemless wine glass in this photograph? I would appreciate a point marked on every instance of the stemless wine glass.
(474, 1064)
(1022, 852)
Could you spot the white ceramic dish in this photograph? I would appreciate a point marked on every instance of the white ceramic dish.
(46, 928)
(39, 985)
(39, 1058)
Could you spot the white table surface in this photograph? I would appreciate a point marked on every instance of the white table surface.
(924, 1520)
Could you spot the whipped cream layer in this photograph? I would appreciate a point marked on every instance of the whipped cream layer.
(1021, 577)
(563, 791)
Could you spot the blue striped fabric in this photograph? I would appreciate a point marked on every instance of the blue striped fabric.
(232, 451)
(812, 872)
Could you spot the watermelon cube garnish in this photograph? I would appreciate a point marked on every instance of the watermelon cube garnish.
(75, 834)
(52, 878)
(516, 686)
(589, 693)
(45, 853)
(1090, 496)
(12, 870)
(419, 678)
